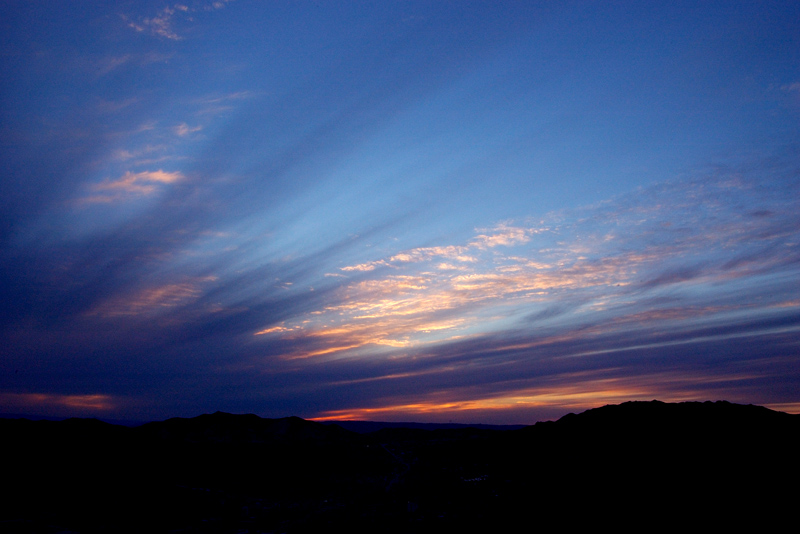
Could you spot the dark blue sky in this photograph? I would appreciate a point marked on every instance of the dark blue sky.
(469, 211)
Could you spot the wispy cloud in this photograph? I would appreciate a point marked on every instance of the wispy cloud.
(130, 185)
(162, 24)
(107, 106)
(153, 300)
(218, 4)
(50, 403)
(220, 104)
(685, 236)
(110, 64)
(503, 235)
(123, 155)
(184, 129)
(219, 99)
(528, 375)
(683, 291)
(360, 204)
(107, 65)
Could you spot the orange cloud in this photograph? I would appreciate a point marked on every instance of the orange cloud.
(49, 401)
(502, 236)
(575, 392)
(788, 407)
(132, 184)
(152, 300)
(401, 310)
(504, 273)
(569, 398)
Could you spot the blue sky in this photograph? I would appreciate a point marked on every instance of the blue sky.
(491, 212)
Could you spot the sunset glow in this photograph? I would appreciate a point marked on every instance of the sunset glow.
(477, 212)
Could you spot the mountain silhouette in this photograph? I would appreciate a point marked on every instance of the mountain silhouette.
(636, 465)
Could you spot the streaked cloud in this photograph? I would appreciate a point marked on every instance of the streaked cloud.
(184, 129)
(49, 403)
(131, 185)
(153, 300)
(526, 375)
(148, 151)
(204, 211)
(502, 236)
(220, 99)
(602, 271)
(110, 64)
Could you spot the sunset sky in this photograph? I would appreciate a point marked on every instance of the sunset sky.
(478, 212)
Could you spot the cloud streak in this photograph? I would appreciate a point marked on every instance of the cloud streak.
(407, 300)
(592, 306)
(131, 185)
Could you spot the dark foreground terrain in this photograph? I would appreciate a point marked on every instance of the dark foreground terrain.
(638, 465)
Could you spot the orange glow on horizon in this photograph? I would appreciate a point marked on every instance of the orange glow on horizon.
(572, 398)
(95, 402)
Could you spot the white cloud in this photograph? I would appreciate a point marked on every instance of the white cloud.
(162, 23)
(238, 95)
(218, 4)
(109, 64)
(184, 129)
(126, 155)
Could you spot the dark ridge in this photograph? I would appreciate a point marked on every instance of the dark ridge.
(365, 427)
(223, 427)
(36, 417)
(712, 465)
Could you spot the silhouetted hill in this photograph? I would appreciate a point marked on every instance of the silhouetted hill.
(634, 465)
(229, 428)
(365, 427)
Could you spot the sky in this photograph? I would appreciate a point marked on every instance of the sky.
(474, 212)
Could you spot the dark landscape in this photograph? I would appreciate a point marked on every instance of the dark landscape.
(632, 465)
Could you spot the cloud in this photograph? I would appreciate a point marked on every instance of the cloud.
(636, 297)
(595, 262)
(49, 403)
(131, 184)
(162, 24)
(683, 274)
(220, 104)
(113, 107)
(523, 375)
(502, 236)
(110, 64)
(302, 316)
(123, 155)
(236, 95)
(460, 253)
(365, 266)
(153, 300)
(184, 129)
(218, 4)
